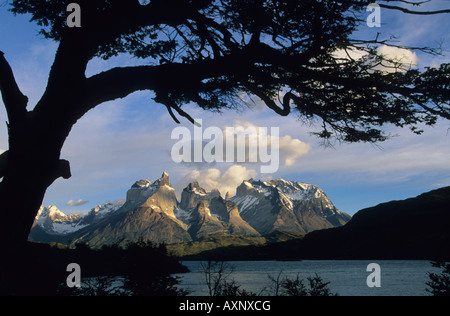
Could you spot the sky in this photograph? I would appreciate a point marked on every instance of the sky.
(121, 142)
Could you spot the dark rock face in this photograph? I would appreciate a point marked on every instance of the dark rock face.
(412, 229)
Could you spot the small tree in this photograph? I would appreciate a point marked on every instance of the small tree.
(216, 277)
(439, 284)
(317, 287)
(149, 271)
(95, 286)
(284, 286)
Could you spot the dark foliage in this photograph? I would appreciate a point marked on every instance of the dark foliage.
(213, 51)
(285, 286)
(439, 284)
(142, 269)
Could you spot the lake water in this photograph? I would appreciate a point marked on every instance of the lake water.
(347, 278)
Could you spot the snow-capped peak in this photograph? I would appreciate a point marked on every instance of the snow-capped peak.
(51, 212)
(290, 192)
(55, 222)
(296, 191)
(248, 184)
(107, 208)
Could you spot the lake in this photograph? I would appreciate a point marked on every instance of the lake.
(347, 278)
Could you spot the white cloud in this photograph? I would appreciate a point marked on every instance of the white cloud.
(225, 182)
(73, 203)
(243, 143)
(344, 55)
(292, 149)
(397, 58)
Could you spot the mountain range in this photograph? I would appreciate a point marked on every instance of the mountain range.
(411, 229)
(152, 212)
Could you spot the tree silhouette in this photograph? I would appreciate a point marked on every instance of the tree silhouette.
(208, 52)
(439, 284)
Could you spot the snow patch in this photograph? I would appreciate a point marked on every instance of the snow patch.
(183, 215)
(245, 202)
(62, 228)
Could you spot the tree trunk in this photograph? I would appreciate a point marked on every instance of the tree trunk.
(32, 165)
(32, 162)
(21, 193)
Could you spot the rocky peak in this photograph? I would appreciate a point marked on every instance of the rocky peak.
(141, 184)
(163, 181)
(195, 187)
(244, 189)
(255, 188)
(143, 189)
(214, 194)
(53, 213)
(140, 191)
(192, 195)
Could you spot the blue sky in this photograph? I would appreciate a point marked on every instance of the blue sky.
(127, 140)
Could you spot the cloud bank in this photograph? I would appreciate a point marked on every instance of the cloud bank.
(223, 181)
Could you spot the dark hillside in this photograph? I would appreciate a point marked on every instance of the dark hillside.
(417, 228)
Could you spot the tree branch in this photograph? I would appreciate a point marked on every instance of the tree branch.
(3, 163)
(63, 170)
(15, 102)
(179, 78)
(130, 16)
(284, 111)
(171, 105)
(404, 10)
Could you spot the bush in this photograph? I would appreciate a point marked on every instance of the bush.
(219, 283)
(439, 284)
(142, 269)
(284, 286)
